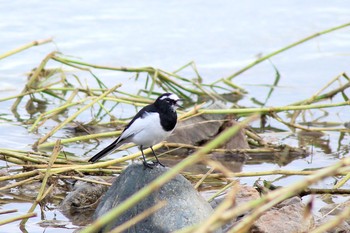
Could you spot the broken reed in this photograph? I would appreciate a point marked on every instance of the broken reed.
(168, 81)
(95, 99)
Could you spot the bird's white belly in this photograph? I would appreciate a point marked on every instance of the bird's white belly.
(150, 137)
(148, 131)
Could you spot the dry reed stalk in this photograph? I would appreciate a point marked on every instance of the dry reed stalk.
(24, 47)
(42, 193)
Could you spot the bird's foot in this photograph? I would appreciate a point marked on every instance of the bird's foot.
(149, 165)
(158, 162)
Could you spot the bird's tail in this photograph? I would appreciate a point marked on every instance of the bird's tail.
(109, 149)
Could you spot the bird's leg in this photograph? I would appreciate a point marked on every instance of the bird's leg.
(149, 165)
(158, 162)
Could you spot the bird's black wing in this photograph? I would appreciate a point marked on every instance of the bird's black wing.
(125, 135)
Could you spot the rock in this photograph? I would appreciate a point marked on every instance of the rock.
(80, 204)
(334, 208)
(329, 212)
(3, 172)
(343, 227)
(244, 194)
(286, 217)
(239, 140)
(185, 207)
(198, 130)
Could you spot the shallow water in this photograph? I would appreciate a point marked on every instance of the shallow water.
(220, 36)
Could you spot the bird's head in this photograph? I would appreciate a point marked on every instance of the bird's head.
(168, 100)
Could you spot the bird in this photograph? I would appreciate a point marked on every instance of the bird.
(151, 125)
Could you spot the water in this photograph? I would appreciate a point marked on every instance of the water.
(220, 36)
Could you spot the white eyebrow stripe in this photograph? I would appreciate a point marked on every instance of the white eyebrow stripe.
(171, 96)
(164, 97)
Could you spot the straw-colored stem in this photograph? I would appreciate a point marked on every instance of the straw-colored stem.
(84, 179)
(274, 197)
(342, 181)
(237, 151)
(227, 203)
(14, 219)
(82, 138)
(271, 109)
(22, 157)
(8, 211)
(32, 79)
(42, 193)
(72, 117)
(196, 186)
(26, 181)
(101, 164)
(57, 111)
(139, 217)
(24, 94)
(24, 47)
(19, 175)
(334, 222)
(219, 192)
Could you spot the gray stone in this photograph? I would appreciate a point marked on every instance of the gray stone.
(244, 194)
(342, 227)
(286, 217)
(330, 211)
(185, 206)
(80, 204)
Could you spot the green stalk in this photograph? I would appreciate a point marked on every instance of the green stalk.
(82, 138)
(266, 57)
(271, 109)
(125, 69)
(72, 117)
(32, 79)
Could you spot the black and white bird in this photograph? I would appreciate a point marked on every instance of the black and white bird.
(151, 125)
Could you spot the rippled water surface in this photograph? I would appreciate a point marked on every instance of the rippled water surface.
(220, 36)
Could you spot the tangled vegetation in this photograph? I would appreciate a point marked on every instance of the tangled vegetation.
(72, 97)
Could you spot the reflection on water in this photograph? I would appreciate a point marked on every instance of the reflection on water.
(314, 139)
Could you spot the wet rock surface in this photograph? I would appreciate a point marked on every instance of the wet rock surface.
(286, 217)
(330, 212)
(184, 205)
(80, 204)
